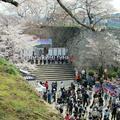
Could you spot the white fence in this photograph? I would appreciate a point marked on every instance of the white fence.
(51, 51)
(57, 51)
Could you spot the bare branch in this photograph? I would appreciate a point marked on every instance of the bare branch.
(70, 13)
(12, 2)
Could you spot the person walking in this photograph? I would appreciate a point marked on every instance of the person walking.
(114, 111)
(62, 59)
(70, 107)
(40, 60)
(49, 97)
(85, 99)
(44, 60)
(36, 60)
(46, 85)
(90, 116)
(45, 96)
(32, 60)
(58, 59)
(53, 60)
(54, 95)
(118, 114)
(67, 117)
(61, 109)
(106, 114)
(100, 101)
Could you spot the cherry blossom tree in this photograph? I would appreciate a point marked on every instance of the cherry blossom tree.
(93, 11)
(14, 43)
(96, 49)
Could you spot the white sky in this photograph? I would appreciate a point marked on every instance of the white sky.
(116, 4)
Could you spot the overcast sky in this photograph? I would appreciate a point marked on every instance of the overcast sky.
(116, 4)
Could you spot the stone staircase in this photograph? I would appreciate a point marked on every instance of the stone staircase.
(54, 72)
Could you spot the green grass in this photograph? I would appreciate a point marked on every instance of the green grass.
(18, 101)
(8, 68)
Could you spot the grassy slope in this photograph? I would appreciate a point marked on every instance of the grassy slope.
(18, 101)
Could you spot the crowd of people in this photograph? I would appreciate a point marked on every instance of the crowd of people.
(49, 95)
(79, 101)
(49, 59)
(84, 104)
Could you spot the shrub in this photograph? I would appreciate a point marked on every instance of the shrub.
(116, 69)
(91, 73)
(118, 73)
(112, 74)
(3, 61)
(5, 66)
(11, 70)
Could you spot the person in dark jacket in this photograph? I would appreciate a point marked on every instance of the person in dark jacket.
(100, 101)
(118, 114)
(61, 109)
(36, 60)
(114, 111)
(85, 99)
(45, 96)
(49, 97)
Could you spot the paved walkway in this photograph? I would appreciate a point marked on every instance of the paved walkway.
(88, 109)
(60, 84)
(66, 84)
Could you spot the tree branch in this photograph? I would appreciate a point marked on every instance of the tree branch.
(70, 13)
(102, 18)
(12, 2)
(98, 21)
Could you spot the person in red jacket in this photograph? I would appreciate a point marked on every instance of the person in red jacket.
(67, 117)
(46, 85)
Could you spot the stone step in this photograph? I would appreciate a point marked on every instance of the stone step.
(54, 79)
(55, 76)
(58, 74)
(67, 78)
(47, 67)
(54, 65)
(66, 75)
(52, 72)
(51, 69)
(58, 69)
(55, 68)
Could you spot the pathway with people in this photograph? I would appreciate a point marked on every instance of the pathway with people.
(70, 98)
(90, 110)
(83, 99)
